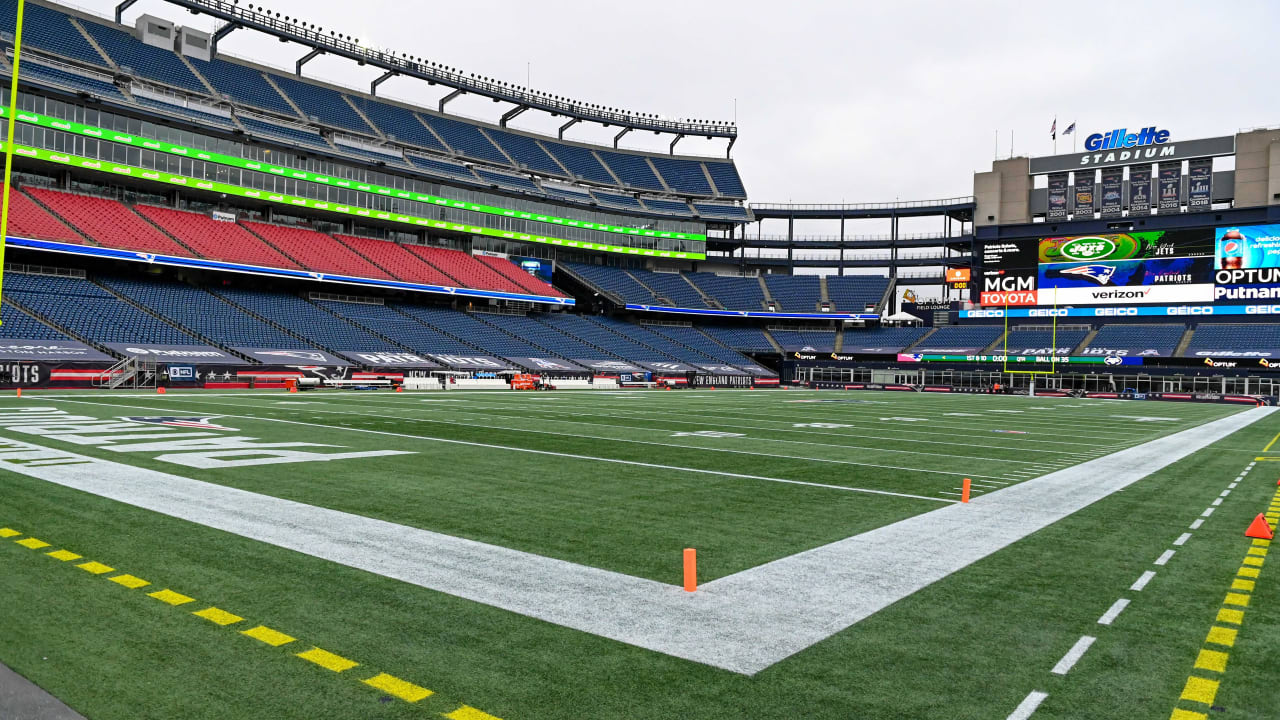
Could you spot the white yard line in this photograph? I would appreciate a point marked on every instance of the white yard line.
(1028, 705)
(1113, 612)
(1139, 584)
(1073, 655)
(743, 622)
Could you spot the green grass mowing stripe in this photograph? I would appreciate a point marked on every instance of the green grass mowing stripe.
(655, 466)
(698, 421)
(882, 466)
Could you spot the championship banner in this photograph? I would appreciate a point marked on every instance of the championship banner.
(1170, 189)
(1112, 193)
(1057, 197)
(1140, 190)
(51, 350)
(272, 356)
(201, 354)
(1199, 184)
(1084, 194)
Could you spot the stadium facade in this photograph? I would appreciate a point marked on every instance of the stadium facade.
(179, 211)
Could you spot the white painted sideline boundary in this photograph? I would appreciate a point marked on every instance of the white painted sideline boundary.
(743, 623)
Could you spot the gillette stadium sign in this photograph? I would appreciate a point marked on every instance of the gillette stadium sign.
(1119, 146)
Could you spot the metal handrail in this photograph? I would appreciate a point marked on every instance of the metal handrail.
(434, 72)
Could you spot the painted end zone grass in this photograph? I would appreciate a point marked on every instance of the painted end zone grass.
(970, 646)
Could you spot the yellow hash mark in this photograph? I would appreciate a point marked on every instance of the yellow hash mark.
(1259, 542)
(1221, 636)
(63, 555)
(269, 636)
(32, 543)
(1201, 690)
(392, 685)
(466, 712)
(1248, 572)
(1273, 442)
(1235, 617)
(1238, 584)
(8, 532)
(96, 568)
(1187, 715)
(170, 597)
(1212, 660)
(327, 660)
(1236, 599)
(1254, 561)
(218, 617)
(129, 581)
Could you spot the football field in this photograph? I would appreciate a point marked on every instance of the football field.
(480, 555)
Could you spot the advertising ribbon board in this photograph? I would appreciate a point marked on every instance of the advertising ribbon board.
(49, 350)
(388, 358)
(274, 356)
(197, 354)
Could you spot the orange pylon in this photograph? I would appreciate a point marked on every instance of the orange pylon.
(159, 391)
(690, 570)
(964, 490)
(1260, 529)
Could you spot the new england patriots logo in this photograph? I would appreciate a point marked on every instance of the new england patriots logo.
(1100, 274)
(200, 423)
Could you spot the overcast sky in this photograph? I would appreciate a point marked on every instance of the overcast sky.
(854, 102)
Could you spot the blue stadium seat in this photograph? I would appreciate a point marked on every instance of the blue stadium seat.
(203, 118)
(805, 340)
(1021, 341)
(733, 293)
(795, 293)
(882, 340)
(632, 170)
(545, 336)
(591, 331)
(694, 338)
(671, 287)
(725, 176)
(673, 207)
(614, 281)
(15, 324)
(91, 312)
(855, 293)
(581, 162)
(38, 74)
(527, 152)
(476, 330)
(742, 339)
(508, 182)
(682, 176)
(326, 105)
(442, 168)
(146, 60)
(399, 322)
(622, 201)
(959, 339)
(49, 30)
(1234, 340)
(305, 319)
(465, 139)
(721, 212)
(288, 134)
(1137, 340)
(395, 120)
(243, 85)
(659, 343)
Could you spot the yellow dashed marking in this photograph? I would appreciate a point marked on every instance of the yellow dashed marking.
(1221, 636)
(269, 636)
(1261, 543)
(1248, 572)
(170, 597)
(8, 532)
(327, 660)
(1236, 599)
(1262, 552)
(1200, 690)
(1235, 617)
(1212, 660)
(218, 617)
(63, 555)
(1254, 561)
(1187, 715)
(32, 543)
(466, 712)
(395, 686)
(129, 581)
(96, 568)
(1239, 584)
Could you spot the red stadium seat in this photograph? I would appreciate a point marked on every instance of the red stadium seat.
(510, 271)
(317, 251)
(29, 220)
(108, 222)
(401, 263)
(466, 270)
(216, 240)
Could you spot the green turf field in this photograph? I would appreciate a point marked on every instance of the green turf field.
(622, 482)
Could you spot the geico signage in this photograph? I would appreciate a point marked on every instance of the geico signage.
(1262, 309)
(985, 314)
(1113, 312)
(1122, 138)
(1048, 312)
(1190, 310)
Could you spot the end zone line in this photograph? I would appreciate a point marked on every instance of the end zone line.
(636, 463)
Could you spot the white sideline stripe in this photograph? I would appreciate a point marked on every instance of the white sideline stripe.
(1225, 492)
(1114, 611)
(593, 457)
(1196, 525)
(1216, 502)
(1207, 512)
(1182, 539)
(788, 604)
(1232, 486)
(1164, 558)
(1142, 581)
(1028, 705)
(1073, 655)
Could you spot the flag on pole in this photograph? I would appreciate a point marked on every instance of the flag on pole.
(1053, 129)
(1070, 129)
